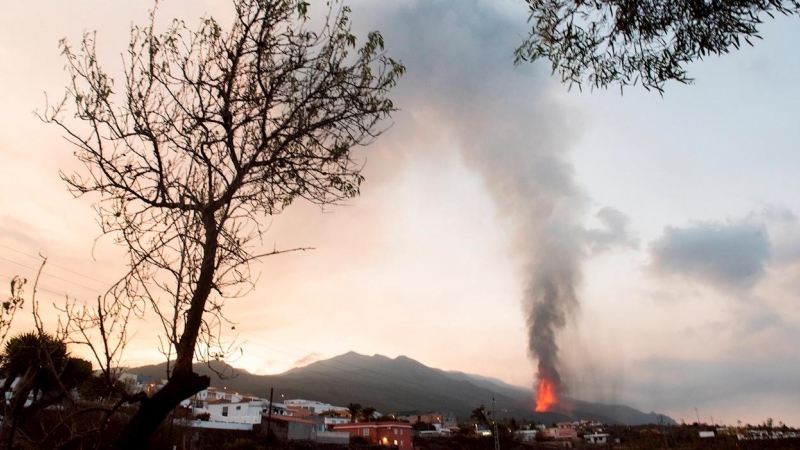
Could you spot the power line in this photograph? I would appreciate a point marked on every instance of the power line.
(53, 264)
(41, 288)
(51, 275)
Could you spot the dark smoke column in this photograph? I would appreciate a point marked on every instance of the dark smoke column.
(548, 298)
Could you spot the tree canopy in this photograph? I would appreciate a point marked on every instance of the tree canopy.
(209, 132)
(647, 42)
(38, 372)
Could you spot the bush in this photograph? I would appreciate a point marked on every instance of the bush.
(358, 440)
(243, 444)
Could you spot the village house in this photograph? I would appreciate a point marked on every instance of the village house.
(429, 418)
(234, 412)
(397, 434)
(526, 435)
(596, 438)
(232, 407)
(304, 429)
(312, 406)
(562, 431)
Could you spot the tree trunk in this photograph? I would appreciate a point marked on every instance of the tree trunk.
(183, 382)
(153, 410)
(14, 409)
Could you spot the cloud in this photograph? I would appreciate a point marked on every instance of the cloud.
(761, 320)
(675, 383)
(615, 231)
(729, 257)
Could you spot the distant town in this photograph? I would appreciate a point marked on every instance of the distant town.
(217, 417)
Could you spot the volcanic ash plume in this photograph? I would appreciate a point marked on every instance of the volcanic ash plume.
(517, 136)
(549, 295)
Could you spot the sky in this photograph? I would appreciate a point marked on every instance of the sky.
(677, 215)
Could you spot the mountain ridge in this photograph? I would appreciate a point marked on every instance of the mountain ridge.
(403, 384)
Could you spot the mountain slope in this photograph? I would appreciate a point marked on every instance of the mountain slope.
(404, 385)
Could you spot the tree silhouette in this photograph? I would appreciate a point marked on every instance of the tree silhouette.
(209, 132)
(36, 368)
(479, 415)
(625, 42)
(354, 409)
(367, 412)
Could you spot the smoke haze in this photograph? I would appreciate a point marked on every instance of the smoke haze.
(504, 121)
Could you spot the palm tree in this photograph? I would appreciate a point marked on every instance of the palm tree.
(367, 412)
(354, 409)
(41, 366)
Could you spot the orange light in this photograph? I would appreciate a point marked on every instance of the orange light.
(546, 396)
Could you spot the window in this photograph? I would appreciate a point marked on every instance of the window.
(366, 431)
(238, 408)
(395, 432)
(225, 411)
(395, 442)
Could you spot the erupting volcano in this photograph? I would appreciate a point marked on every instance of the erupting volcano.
(546, 396)
(550, 294)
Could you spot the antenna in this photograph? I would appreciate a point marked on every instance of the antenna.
(496, 435)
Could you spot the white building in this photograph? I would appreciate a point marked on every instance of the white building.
(232, 407)
(312, 406)
(213, 393)
(596, 438)
(526, 435)
(233, 412)
(335, 420)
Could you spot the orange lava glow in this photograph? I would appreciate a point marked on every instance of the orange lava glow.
(546, 396)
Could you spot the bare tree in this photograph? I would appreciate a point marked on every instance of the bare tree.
(626, 42)
(8, 309)
(211, 131)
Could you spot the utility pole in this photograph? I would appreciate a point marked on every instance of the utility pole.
(496, 434)
(269, 415)
(698, 415)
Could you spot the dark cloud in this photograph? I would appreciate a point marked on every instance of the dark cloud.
(784, 230)
(729, 256)
(761, 320)
(676, 383)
